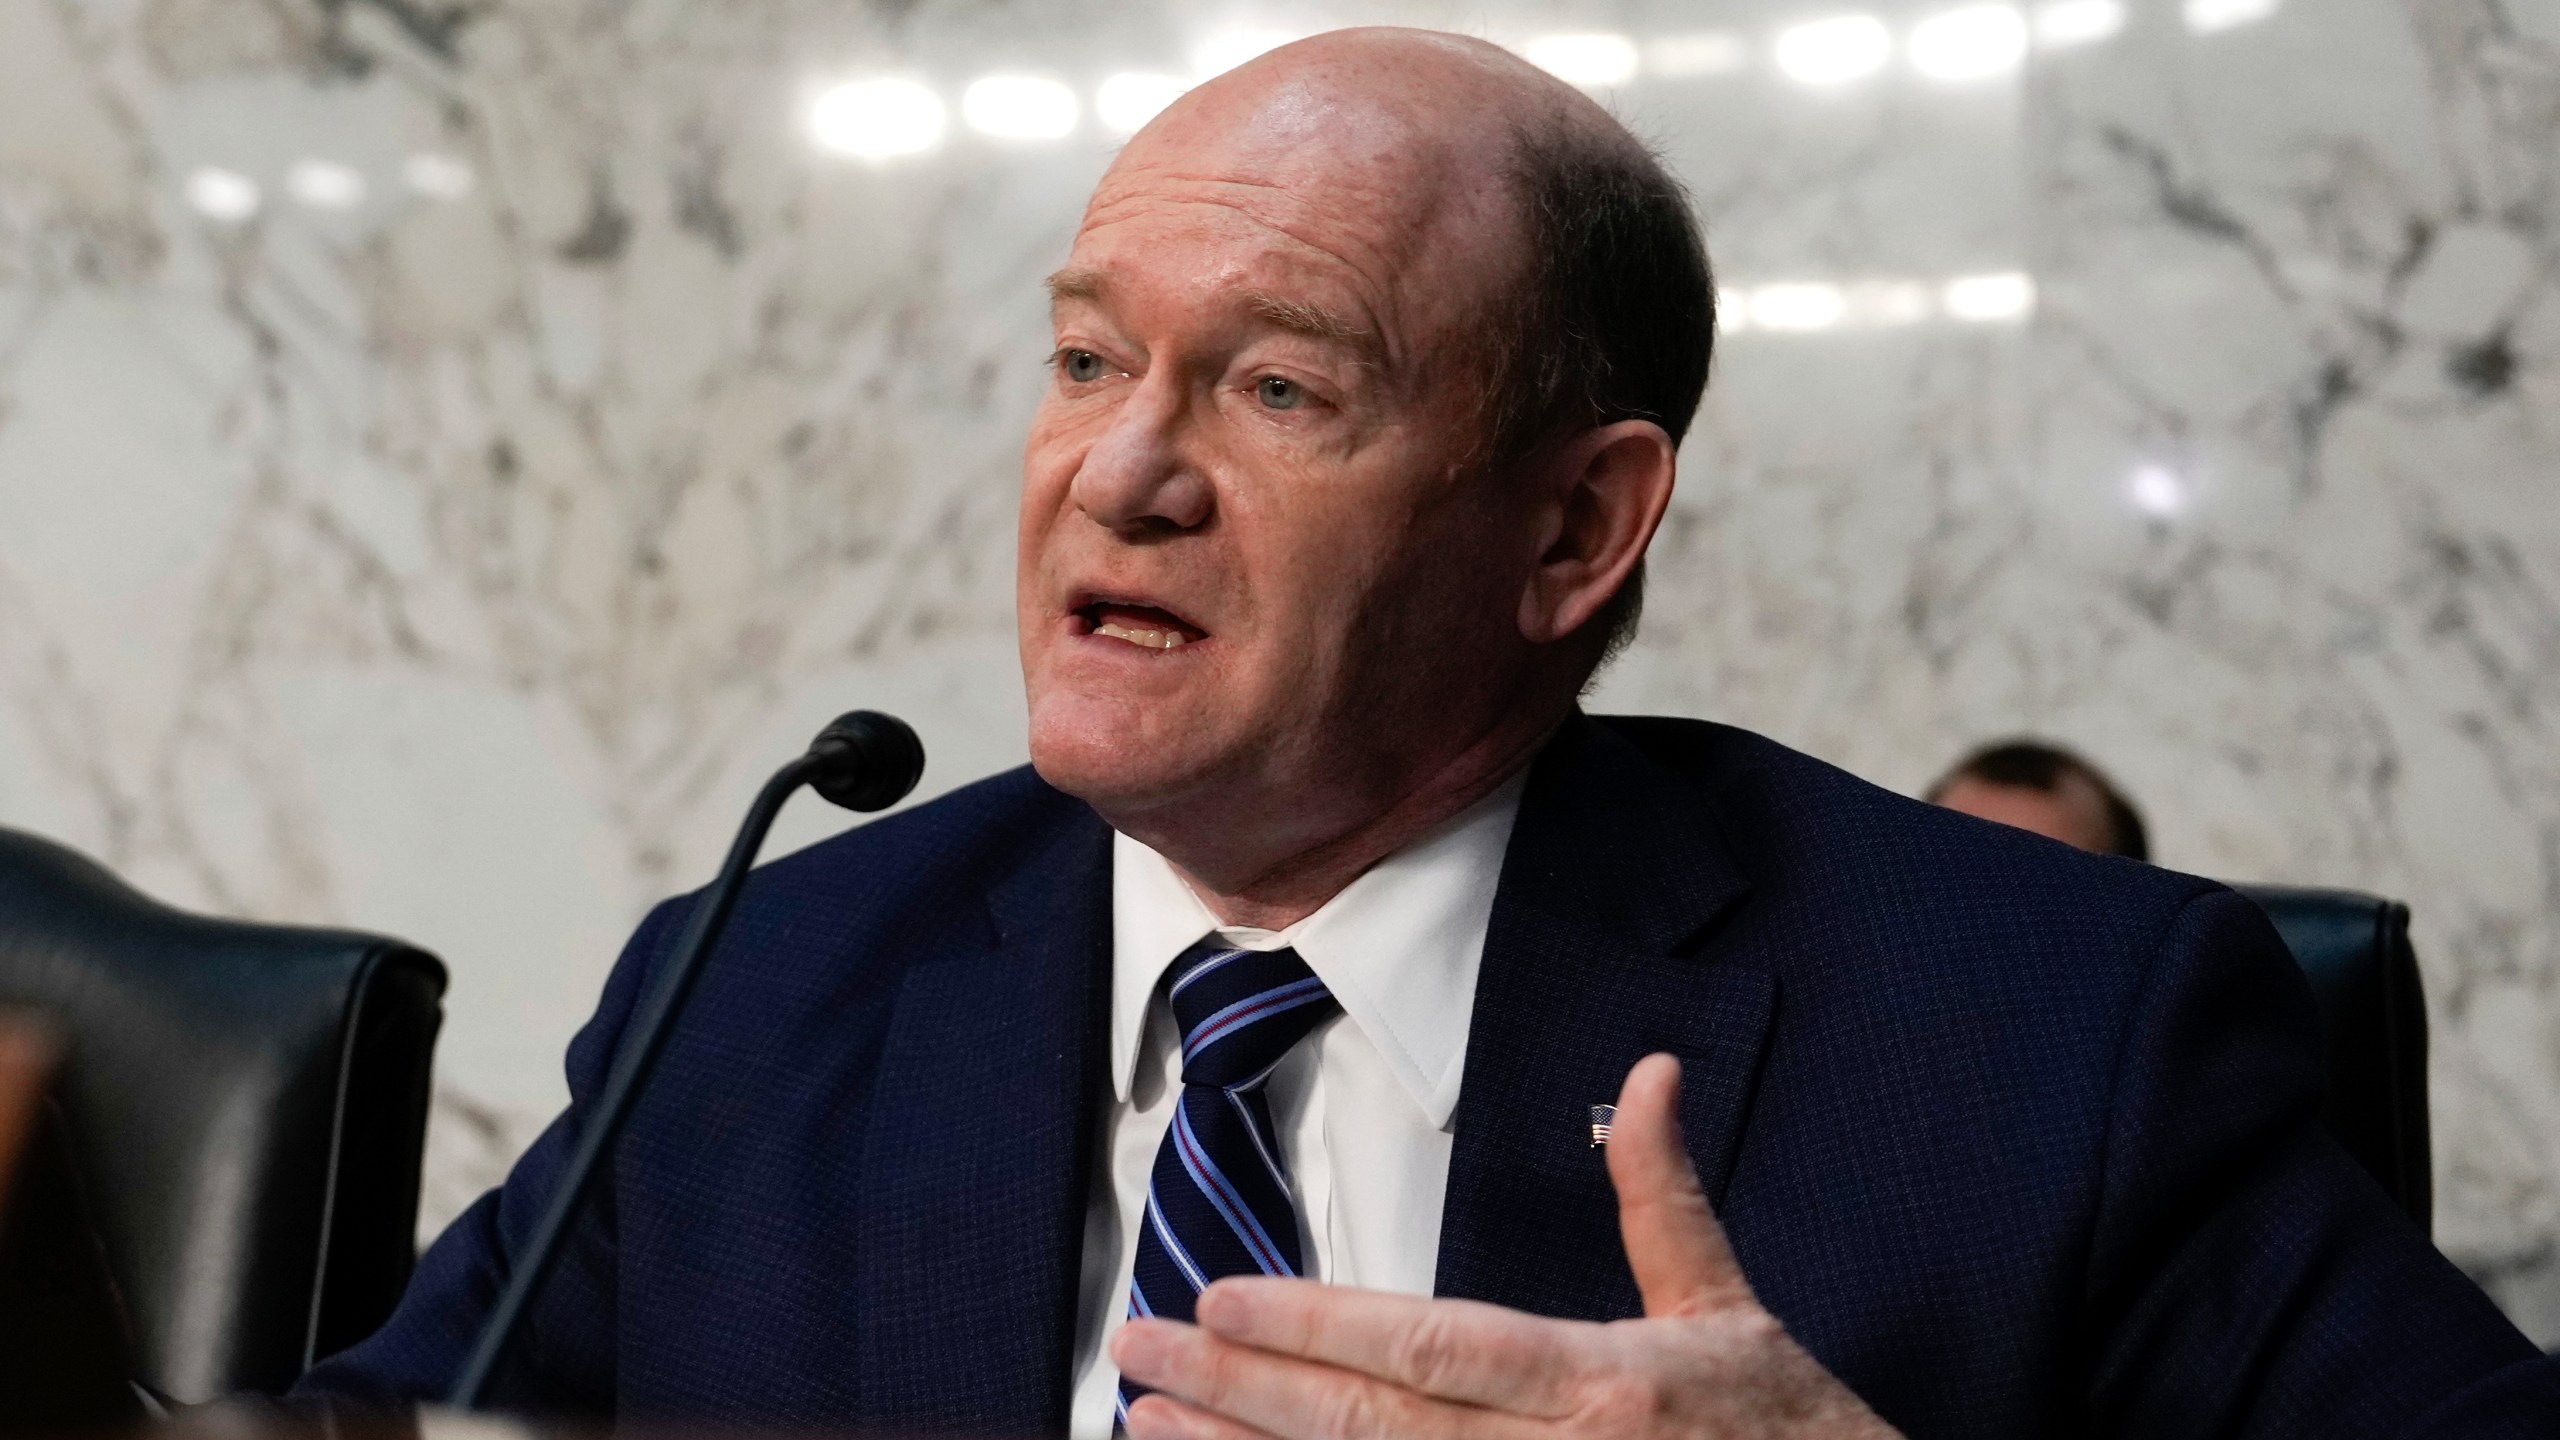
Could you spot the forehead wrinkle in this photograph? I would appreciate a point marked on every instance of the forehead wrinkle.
(1366, 238)
(1362, 264)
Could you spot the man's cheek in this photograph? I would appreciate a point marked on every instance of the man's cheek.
(1050, 458)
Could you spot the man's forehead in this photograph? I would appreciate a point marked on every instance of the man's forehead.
(1360, 260)
(1354, 156)
(1370, 217)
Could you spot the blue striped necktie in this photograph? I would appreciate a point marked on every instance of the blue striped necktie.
(1218, 1203)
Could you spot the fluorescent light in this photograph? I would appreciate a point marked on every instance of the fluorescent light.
(1228, 49)
(1972, 42)
(324, 184)
(1677, 57)
(1594, 59)
(1797, 305)
(2156, 491)
(1126, 102)
(1890, 302)
(878, 118)
(2207, 16)
(1733, 310)
(2005, 295)
(1834, 51)
(1873, 304)
(2066, 23)
(221, 194)
(441, 177)
(1019, 107)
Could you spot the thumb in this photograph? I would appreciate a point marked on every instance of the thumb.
(1678, 1252)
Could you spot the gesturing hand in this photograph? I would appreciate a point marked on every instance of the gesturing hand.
(1304, 1361)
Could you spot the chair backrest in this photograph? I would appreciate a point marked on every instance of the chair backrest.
(2354, 949)
(245, 1106)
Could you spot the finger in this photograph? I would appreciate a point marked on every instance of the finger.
(1161, 1417)
(1455, 1349)
(1292, 1398)
(1678, 1252)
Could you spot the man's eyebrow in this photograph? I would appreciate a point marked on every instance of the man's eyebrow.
(1298, 317)
(1072, 284)
(1317, 322)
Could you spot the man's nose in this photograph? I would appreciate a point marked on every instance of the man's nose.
(1137, 479)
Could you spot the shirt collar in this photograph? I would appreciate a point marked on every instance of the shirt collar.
(1399, 947)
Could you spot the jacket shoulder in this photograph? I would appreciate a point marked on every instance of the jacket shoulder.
(929, 870)
(1772, 792)
(1942, 898)
(973, 837)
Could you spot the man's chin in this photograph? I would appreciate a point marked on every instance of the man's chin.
(1121, 769)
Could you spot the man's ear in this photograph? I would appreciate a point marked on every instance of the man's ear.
(1604, 494)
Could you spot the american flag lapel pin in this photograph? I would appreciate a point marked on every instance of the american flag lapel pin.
(1602, 1117)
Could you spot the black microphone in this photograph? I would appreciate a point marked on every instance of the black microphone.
(863, 761)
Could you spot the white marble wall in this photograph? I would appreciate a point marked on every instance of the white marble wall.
(446, 544)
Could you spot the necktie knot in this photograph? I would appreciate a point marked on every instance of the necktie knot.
(1241, 1010)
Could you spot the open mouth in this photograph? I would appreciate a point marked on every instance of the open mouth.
(1149, 627)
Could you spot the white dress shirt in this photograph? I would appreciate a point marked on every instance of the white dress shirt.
(1362, 1104)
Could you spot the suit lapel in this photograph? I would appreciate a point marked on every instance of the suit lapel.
(977, 1154)
(1596, 956)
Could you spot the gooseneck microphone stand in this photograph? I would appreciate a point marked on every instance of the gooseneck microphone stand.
(863, 761)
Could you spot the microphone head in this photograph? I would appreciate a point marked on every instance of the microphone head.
(866, 760)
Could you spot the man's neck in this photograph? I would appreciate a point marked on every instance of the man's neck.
(1297, 887)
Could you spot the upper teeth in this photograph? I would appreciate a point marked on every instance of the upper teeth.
(1153, 639)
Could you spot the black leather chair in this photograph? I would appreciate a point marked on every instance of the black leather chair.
(2355, 951)
(243, 1108)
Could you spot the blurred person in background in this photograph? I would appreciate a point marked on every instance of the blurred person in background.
(2048, 790)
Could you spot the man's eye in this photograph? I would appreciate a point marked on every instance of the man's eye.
(1081, 366)
(1280, 394)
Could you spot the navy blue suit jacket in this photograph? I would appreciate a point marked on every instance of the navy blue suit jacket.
(2015, 1140)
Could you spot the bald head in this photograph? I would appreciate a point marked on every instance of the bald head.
(1458, 145)
(1349, 99)
(1372, 358)
(1397, 144)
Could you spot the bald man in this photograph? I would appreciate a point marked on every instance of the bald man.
(1335, 1033)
